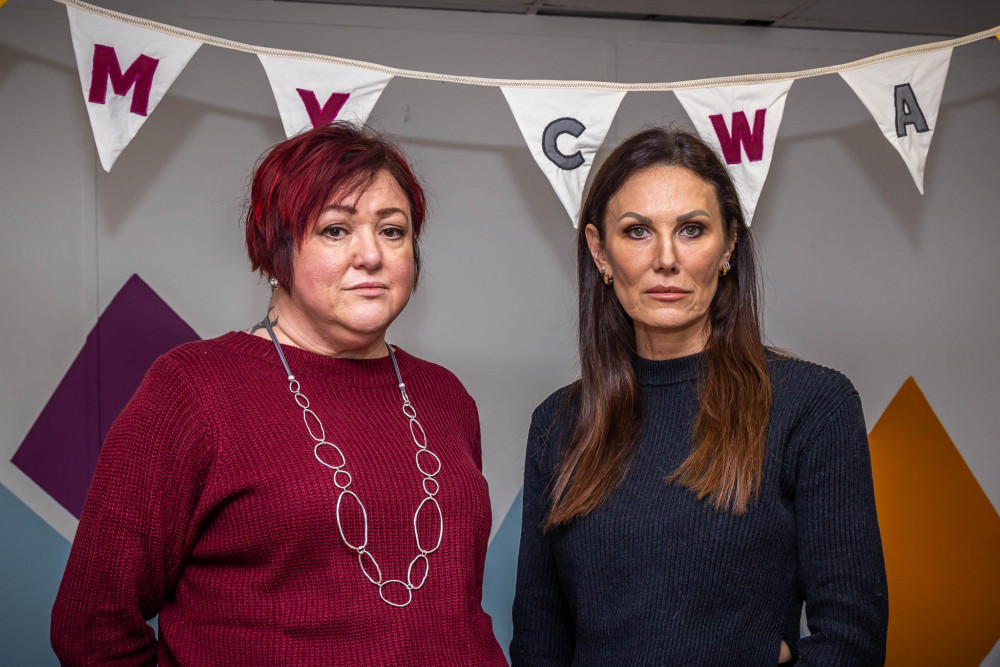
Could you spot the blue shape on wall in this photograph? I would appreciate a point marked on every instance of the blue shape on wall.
(32, 559)
(501, 574)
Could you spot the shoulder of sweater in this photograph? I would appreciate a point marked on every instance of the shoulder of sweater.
(792, 377)
(436, 374)
(807, 395)
(555, 407)
(551, 421)
(437, 371)
(199, 352)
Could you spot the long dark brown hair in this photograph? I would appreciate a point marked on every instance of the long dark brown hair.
(727, 451)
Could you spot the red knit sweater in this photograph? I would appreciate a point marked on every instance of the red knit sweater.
(208, 508)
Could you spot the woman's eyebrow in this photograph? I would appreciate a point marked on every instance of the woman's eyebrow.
(637, 216)
(693, 214)
(339, 207)
(385, 212)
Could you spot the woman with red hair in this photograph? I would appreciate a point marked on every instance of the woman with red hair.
(300, 492)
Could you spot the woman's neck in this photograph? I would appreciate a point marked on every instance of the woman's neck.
(305, 335)
(660, 345)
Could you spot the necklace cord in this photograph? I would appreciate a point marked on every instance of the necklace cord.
(277, 346)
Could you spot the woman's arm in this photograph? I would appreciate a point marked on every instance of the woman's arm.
(841, 567)
(543, 623)
(135, 527)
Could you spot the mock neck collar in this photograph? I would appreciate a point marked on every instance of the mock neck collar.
(670, 371)
(351, 372)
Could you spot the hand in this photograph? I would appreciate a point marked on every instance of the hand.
(786, 653)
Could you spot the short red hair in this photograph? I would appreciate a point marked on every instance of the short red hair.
(297, 177)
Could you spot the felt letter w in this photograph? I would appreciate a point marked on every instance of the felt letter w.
(753, 142)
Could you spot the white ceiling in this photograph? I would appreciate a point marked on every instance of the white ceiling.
(924, 17)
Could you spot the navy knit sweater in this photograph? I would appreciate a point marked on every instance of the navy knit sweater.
(654, 576)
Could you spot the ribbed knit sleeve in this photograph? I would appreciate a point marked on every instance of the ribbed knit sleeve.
(136, 525)
(543, 624)
(841, 569)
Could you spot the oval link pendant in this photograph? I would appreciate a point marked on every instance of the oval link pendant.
(394, 592)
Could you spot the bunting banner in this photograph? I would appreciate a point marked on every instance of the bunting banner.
(311, 93)
(741, 123)
(904, 95)
(564, 128)
(125, 71)
(128, 63)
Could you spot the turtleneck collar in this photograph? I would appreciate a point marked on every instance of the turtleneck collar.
(670, 371)
(351, 372)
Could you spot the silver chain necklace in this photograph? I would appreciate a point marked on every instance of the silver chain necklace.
(342, 480)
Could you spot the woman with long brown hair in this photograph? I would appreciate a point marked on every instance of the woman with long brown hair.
(693, 489)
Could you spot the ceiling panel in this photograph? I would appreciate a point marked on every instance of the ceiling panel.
(930, 17)
(727, 10)
(502, 6)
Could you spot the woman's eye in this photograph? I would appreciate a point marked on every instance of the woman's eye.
(334, 231)
(394, 233)
(637, 232)
(690, 231)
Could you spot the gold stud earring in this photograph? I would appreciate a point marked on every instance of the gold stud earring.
(725, 268)
(608, 280)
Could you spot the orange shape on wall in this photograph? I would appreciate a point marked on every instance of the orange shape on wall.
(941, 537)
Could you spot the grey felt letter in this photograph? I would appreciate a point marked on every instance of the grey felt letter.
(551, 134)
(908, 111)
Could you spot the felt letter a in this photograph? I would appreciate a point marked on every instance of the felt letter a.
(903, 96)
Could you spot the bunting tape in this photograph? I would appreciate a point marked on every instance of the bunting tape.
(530, 83)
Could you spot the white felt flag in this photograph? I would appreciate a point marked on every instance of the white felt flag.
(310, 93)
(904, 95)
(125, 72)
(564, 128)
(741, 123)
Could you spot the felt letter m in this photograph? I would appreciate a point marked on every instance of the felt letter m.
(752, 141)
(138, 77)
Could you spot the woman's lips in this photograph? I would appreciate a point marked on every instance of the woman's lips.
(661, 293)
(368, 289)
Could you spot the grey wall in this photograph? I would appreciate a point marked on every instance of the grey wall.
(861, 272)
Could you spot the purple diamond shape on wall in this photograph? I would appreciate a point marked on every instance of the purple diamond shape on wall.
(60, 451)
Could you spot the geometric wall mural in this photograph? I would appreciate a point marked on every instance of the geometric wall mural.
(941, 537)
(60, 451)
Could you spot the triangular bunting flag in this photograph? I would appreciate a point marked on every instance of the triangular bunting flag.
(903, 95)
(563, 129)
(311, 93)
(741, 123)
(125, 71)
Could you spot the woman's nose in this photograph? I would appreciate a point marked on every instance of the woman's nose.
(666, 257)
(367, 253)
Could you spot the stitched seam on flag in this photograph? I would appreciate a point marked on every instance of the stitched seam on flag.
(531, 83)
